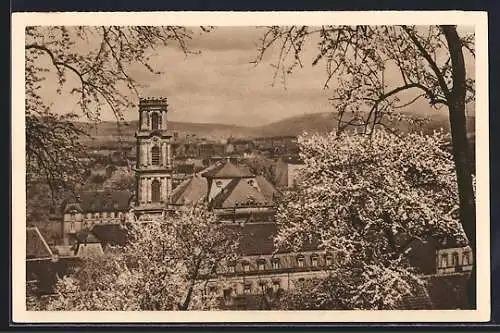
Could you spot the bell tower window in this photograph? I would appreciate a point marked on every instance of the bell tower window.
(155, 155)
(155, 191)
(155, 121)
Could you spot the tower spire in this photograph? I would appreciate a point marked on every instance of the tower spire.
(154, 157)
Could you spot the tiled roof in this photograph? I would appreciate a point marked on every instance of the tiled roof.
(258, 239)
(239, 193)
(228, 170)
(267, 189)
(102, 201)
(292, 159)
(442, 292)
(112, 234)
(449, 291)
(86, 237)
(190, 191)
(420, 300)
(36, 246)
(255, 238)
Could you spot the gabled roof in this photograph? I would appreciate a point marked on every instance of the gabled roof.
(36, 246)
(101, 201)
(112, 234)
(267, 189)
(238, 193)
(228, 170)
(190, 191)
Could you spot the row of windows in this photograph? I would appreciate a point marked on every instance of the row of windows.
(97, 215)
(74, 226)
(248, 288)
(455, 259)
(276, 263)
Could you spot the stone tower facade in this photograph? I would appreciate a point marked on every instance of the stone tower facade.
(154, 158)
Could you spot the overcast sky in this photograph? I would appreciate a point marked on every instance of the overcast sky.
(220, 85)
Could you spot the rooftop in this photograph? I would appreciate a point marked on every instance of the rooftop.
(99, 201)
(228, 170)
(36, 246)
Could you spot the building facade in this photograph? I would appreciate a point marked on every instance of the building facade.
(93, 208)
(154, 158)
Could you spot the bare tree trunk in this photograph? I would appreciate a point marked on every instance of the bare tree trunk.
(460, 148)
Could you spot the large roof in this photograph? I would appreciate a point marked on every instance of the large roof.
(239, 193)
(190, 191)
(255, 238)
(36, 246)
(267, 189)
(228, 170)
(86, 237)
(101, 201)
(112, 234)
(258, 239)
(442, 292)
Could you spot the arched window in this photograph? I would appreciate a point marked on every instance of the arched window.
(454, 259)
(314, 260)
(276, 263)
(155, 191)
(444, 260)
(300, 261)
(155, 121)
(155, 155)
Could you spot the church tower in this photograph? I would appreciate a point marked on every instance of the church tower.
(154, 158)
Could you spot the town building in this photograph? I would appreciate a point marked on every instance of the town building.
(287, 170)
(243, 201)
(93, 208)
(154, 158)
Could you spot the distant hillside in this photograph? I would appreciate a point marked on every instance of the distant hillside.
(316, 122)
(325, 122)
(109, 129)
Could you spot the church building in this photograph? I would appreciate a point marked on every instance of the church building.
(154, 166)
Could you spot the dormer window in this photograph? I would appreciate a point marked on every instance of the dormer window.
(232, 268)
(246, 267)
(328, 260)
(466, 258)
(251, 182)
(454, 259)
(314, 260)
(300, 261)
(444, 260)
(261, 264)
(276, 263)
(218, 183)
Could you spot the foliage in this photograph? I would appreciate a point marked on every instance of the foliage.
(91, 63)
(363, 198)
(166, 266)
(121, 180)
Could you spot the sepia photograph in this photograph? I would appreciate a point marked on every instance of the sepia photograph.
(250, 169)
